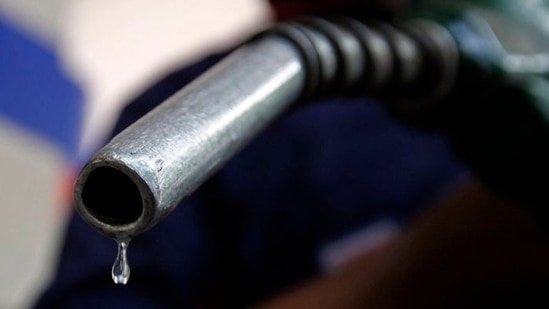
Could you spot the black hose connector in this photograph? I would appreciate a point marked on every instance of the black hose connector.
(414, 63)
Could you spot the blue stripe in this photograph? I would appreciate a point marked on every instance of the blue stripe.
(34, 92)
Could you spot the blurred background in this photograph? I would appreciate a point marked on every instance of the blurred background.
(66, 69)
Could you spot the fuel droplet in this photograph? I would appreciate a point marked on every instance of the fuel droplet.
(120, 268)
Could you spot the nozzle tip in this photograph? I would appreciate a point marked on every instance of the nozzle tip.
(111, 196)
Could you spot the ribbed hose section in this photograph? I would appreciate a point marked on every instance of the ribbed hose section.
(414, 62)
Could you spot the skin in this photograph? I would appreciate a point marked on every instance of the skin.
(472, 250)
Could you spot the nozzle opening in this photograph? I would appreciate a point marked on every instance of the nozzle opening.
(111, 196)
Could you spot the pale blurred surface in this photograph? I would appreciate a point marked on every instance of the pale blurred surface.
(30, 215)
(113, 49)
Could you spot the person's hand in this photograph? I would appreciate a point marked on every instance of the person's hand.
(474, 250)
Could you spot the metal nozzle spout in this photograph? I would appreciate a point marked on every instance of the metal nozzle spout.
(145, 171)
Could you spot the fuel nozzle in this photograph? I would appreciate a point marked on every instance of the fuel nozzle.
(447, 68)
(145, 171)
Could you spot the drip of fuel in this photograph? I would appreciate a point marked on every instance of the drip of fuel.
(120, 268)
